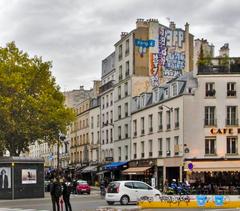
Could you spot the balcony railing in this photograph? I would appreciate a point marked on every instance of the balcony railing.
(150, 154)
(135, 134)
(231, 93)
(220, 65)
(142, 132)
(210, 93)
(176, 124)
(142, 155)
(120, 77)
(210, 122)
(135, 156)
(231, 121)
(106, 86)
(160, 127)
(168, 126)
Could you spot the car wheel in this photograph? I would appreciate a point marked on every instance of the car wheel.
(110, 202)
(124, 200)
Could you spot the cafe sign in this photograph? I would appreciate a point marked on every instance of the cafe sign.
(224, 131)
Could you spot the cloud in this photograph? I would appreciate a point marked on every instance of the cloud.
(78, 34)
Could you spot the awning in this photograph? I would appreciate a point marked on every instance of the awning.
(114, 165)
(136, 170)
(102, 172)
(89, 169)
(210, 166)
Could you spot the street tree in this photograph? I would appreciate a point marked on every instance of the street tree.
(31, 103)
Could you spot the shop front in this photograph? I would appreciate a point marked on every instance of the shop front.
(89, 174)
(214, 176)
(142, 170)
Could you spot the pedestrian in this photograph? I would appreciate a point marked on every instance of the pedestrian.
(56, 193)
(67, 187)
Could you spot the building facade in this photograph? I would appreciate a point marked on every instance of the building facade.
(107, 101)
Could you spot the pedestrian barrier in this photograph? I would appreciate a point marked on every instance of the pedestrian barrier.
(185, 201)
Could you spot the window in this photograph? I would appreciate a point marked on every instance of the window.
(127, 68)
(160, 145)
(134, 150)
(126, 89)
(119, 112)
(107, 118)
(174, 89)
(129, 185)
(126, 152)
(119, 132)
(103, 120)
(119, 153)
(111, 117)
(210, 91)
(142, 149)
(134, 127)
(98, 120)
(126, 130)
(231, 115)
(231, 145)
(103, 102)
(210, 146)
(120, 52)
(142, 186)
(210, 116)
(107, 137)
(119, 92)
(168, 120)
(98, 137)
(127, 48)
(160, 126)
(92, 122)
(176, 117)
(92, 135)
(176, 145)
(168, 147)
(107, 101)
(150, 123)
(142, 125)
(120, 76)
(150, 147)
(231, 89)
(126, 109)
(103, 137)
(111, 135)
(111, 99)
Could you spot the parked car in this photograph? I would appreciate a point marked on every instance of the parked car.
(128, 191)
(83, 187)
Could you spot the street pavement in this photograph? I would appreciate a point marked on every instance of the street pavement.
(92, 202)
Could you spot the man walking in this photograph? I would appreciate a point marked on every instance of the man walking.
(56, 192)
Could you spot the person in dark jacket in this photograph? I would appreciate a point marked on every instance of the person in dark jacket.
(56, 192)
(67, 187)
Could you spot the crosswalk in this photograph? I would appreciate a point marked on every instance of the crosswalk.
(19, 209)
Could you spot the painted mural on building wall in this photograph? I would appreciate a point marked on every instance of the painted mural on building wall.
(167, 58)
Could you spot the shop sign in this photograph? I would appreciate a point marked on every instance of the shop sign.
(224, 131)
(108, 158)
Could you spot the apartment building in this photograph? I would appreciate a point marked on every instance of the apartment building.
(107, 99)
(147, 56)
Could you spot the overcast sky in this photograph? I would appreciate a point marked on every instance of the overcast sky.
(78, 34)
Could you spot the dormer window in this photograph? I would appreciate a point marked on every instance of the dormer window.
(166, 92)
(174, 89)
(142, 100)
(155, 95)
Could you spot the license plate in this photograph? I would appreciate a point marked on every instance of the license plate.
(83, 189)
(110, 195)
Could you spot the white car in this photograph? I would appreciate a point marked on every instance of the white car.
(129, 191)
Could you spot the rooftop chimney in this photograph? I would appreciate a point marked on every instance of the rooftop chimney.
(81, 87)
(172, 25)
(123, 34)
(141, 23)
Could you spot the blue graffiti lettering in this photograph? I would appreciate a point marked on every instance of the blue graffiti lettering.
(144, 43)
